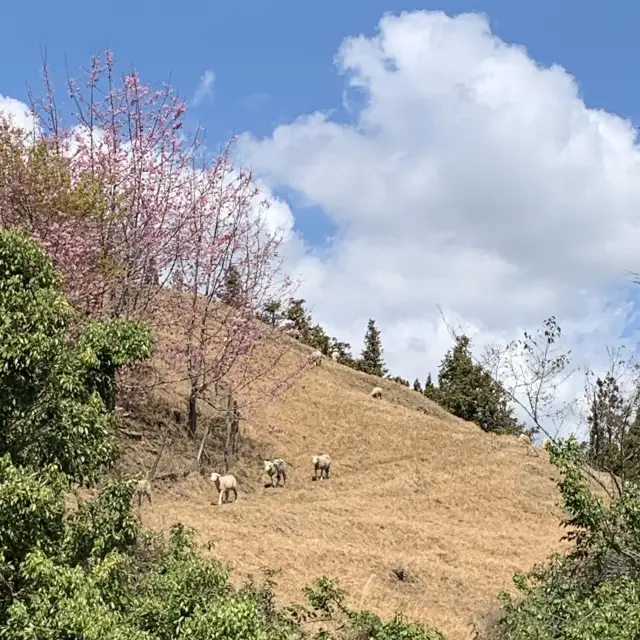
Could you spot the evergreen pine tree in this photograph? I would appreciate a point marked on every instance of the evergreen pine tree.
(430, 389)
(610, 425)
(417, 386)
(371, 360)
(469, 392)
(232, 289)
(272, 313)
(301, 319)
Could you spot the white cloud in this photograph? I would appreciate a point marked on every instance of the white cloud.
(471, 177)
(17, 112)
(205, 87)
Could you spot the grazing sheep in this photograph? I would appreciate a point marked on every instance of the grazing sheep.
(276, 467)
(335, 355)
(294, 333)
(224, 484)
(143, 490)
(376, 393)
(316, 358)
(321, 463)
(545, 444)
(523, 437)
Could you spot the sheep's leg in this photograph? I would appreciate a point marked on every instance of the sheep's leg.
(284, 478)
(327, 472)
(220, 498)
(235, 495)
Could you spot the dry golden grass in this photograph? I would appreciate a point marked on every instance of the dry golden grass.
(457, 509)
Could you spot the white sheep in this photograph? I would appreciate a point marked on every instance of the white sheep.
(545, 444)
(294, 333)
(224, 484)
(376, 393)
(335, 355)
(321, 463)
(276, 467)
(316, 358)
(143, 490)
(523, 437)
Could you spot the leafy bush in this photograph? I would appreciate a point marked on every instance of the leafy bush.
(91, 572)
(594, 590)
(106, 347)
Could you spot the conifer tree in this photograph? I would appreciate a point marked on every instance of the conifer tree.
(469, 392)
(371, 359)
(417, 386)
(430, 389)
(232, 287)
(300, 317)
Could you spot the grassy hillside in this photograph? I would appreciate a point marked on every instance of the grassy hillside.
(424, 513)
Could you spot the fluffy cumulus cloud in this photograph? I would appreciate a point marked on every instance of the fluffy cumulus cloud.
(471, 177)
(17, 112)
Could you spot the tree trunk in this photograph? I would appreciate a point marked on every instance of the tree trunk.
(193, 413)
(202, 444)
(232, 420)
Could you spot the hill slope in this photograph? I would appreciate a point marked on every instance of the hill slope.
(457, 509)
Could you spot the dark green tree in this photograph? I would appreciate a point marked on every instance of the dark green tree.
(469, 392)
(371, 359)
(430, 389)
(399, 380)
(298, 314)
(231, 293)
(272, 313)
(417, 386)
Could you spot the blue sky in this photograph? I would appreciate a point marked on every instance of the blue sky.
(274, 61)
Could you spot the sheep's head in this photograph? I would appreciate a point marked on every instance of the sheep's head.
(214, 476)
(268, 465)
(315, 459)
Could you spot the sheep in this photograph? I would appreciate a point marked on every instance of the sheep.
(376, 393)
(294, 333)
(545, 444)
(316, 358)
(335, 356)
(224, 484)
(523, 437)
(143, 490)
(321, 463)
(276, 467)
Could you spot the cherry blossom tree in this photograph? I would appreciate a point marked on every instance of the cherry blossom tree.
(139, 217)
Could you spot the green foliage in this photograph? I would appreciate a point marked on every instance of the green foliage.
(47, 415)
(430, 389)
(300, 317)
(272, 314)
(468, 391)
(399, 380)
(106, 347)
(231, 293)
(371, 359)
(417, 386)
(593, 591)
(333, 620)
(614, 429)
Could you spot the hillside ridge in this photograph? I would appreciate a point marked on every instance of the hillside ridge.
(424, 513)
